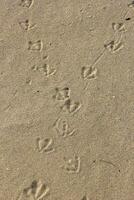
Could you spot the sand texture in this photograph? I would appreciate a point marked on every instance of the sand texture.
(66, 100)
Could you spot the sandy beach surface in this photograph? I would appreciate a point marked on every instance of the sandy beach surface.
(66, 100)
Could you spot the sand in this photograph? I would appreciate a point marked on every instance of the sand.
(66, 100)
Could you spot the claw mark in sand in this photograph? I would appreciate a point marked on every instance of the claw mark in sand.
(109, 163)
(106, 162)
(35, 46)
(72, 165)
(36, 191)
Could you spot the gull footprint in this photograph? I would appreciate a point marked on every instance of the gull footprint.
(72, 165)
(34, 68)
(35, 46)
(45, 145)
(25, 25)
(85, 198)
(26, 3)
(62, 128)
(47, 71)
(131, 5)
(118, 27)
(62, 94)
(114, 46)
(89, 72)
(71, 106)
(36, 191)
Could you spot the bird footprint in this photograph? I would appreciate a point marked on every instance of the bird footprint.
(72, 165)
(36, 191)
(45, 145)
(89, 72)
